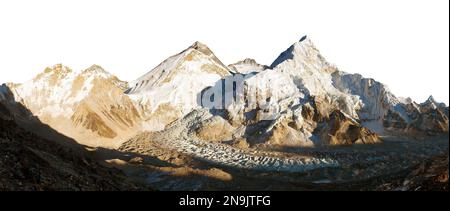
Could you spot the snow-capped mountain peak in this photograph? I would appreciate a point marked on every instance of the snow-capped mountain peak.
(58, 88)
(197, 58)
(312, 75)
(432, 103)
(197, 45)
(247, 66)
(431, 100)
(174, 84)
(303, 52)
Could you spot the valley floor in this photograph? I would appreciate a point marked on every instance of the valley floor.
(186, 164)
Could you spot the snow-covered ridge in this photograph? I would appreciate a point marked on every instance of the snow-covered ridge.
(87, 105)
(247, 66)
(56, 90)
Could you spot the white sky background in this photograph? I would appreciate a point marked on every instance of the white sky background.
(402, 43)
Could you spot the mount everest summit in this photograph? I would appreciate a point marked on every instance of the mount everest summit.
(300, 100)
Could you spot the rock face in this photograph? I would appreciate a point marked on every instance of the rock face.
(340, 129)
(215, 129)
(432, 118)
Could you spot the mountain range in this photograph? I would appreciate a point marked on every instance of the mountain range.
(300, 100)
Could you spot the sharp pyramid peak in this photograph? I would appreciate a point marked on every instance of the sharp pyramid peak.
(198, 44)
(305, 41)
(196, 58)
(303, 38)
(205, 50)
(431, 102)
(431, 99)
(303, 48)
(201, 48)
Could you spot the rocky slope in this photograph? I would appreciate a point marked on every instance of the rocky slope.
(430, 175)
(29, 162)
